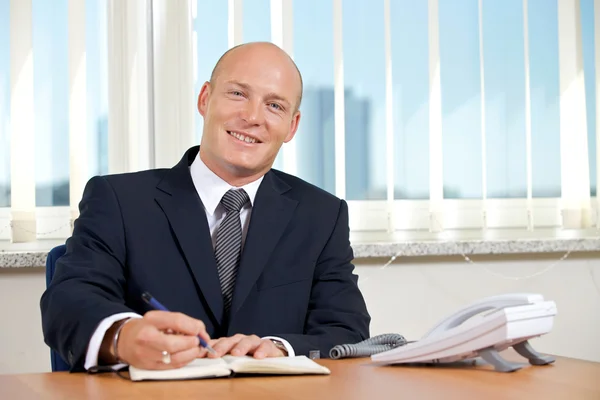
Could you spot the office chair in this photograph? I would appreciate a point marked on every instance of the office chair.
(58, 364)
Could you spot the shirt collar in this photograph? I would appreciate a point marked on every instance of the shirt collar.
(211, 187)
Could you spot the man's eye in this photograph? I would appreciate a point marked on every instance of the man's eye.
(275, 106)
(237, 93)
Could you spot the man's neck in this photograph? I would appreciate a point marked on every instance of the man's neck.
(235, 180)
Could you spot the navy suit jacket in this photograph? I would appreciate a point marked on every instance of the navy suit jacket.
(148, 231)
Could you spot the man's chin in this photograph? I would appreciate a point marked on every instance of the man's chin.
(244, 169)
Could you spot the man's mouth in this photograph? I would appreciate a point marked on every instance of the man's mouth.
(242, 137)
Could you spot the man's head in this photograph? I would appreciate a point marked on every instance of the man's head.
(250, 108)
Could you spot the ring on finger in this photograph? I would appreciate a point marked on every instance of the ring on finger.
(166, 357)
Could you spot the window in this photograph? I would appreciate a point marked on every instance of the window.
(51, 101)
(256, 23)
(461, 112)
(97, 86)
(424, 115)
(313, 53)
(65, 66)
(364, 100)
(51, 96)
(504, 99)
(410, 74)
(545, 98)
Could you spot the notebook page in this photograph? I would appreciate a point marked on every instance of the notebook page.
(275, 365)
(199, 368)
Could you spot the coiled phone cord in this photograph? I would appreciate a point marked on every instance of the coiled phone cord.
(374, 345)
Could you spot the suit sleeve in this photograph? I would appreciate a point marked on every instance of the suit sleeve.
(89, 280)
(337, 311)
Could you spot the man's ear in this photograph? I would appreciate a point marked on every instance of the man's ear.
(203, 98)
(293, 127)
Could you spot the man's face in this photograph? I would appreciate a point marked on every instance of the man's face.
(249, 110)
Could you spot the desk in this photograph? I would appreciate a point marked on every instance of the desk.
(350, 379)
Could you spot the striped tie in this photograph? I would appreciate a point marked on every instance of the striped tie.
(228, 247)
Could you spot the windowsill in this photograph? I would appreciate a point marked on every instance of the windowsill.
(381, 244)
(474, 242)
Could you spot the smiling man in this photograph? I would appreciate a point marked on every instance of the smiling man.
(252, 260)
(250, 109)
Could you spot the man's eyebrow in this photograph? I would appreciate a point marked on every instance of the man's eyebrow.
(270, 95)
(275, 96)
(240, 84)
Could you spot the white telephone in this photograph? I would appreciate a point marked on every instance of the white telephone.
(511, 320)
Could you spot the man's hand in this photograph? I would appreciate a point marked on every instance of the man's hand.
(241, 345)
(142, 340)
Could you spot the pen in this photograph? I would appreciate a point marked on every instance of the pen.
(148, 298)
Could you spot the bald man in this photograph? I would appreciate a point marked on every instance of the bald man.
(250, 259)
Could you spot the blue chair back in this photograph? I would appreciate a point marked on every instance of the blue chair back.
(58, 364)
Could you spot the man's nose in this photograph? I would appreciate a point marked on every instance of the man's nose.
(253, 112)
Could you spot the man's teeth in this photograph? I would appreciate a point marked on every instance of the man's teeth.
(242, 137)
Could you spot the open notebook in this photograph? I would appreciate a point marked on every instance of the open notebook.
(227, 365)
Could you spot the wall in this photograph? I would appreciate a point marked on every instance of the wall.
(408, 297)
(22, 348)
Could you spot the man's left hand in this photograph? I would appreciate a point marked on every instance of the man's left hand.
(241, 345)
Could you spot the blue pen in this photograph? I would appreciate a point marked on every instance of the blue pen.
(147, 297)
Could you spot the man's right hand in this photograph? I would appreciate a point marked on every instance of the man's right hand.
(142, 341)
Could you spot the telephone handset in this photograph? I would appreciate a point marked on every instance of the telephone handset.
(511, 320)
(488, 303)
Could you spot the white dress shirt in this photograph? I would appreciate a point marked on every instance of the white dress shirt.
(211, 189)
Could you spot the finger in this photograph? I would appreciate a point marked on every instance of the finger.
(150, 337)
(267, 349)
(224, 345)
(174, 343)
(153, 359)
(149, 359)
(183, 358)
(177, 322)
(203, 351)
(246, 345)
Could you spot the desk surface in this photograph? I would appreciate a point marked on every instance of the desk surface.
(349, 379)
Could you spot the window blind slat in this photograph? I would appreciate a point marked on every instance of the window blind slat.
(436, 182)
(597, 69)
(78, 157)
(339, 105)
(22, 119)
(389, 116)
(484, 205)
(128, 122)
(174, 97)
(575, 180)
(282, 35)
(236, 18)
(529, 205)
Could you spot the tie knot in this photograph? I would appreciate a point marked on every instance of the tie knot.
(234, 200)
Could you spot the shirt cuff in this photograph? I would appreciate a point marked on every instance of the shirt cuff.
(288, 346)
(91, 358)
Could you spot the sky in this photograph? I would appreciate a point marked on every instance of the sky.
(364, 73)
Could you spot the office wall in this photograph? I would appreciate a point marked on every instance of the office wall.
(408, 297)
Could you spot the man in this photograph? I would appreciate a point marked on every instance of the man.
(257, 260)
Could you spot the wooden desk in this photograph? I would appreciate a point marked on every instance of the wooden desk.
(350, 379)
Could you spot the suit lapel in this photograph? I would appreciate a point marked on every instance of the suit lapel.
(271, 213)
(181, 204)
